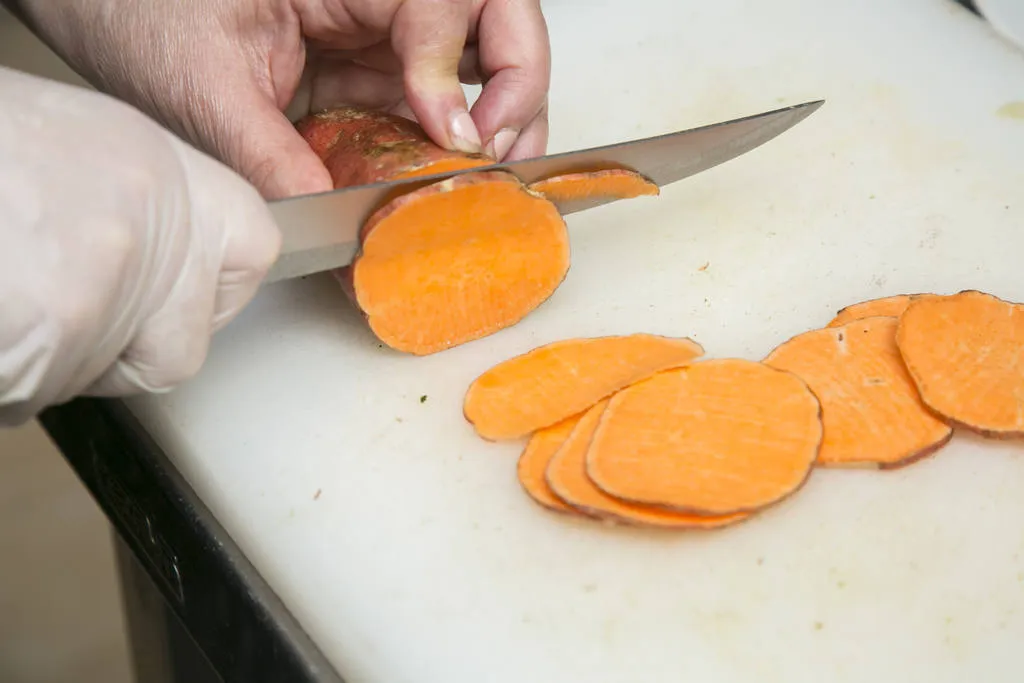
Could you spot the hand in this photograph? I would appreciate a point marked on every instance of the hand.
(220, 73)
(122, 249)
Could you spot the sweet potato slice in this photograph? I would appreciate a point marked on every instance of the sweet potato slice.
(552, 382)
(871, 410)
(616, 183)
(456, 261)
(891, 306)
(715, 438)
(888, 306)
(567, 478)
(533, 463)
(361, 146)
(440, 263)
(965, 354)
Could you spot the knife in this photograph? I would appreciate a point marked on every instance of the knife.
(320, 231)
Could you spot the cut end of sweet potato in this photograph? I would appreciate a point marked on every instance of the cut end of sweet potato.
(458, 260)
(871, 410)
(604, 184)
(965, 354)
(567, 478)
(564, 378)
(533, 463)
(714, 438)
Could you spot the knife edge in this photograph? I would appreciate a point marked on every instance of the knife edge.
(320, 231)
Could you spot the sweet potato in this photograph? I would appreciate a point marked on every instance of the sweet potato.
(883, 306)
(567, 478)
(709, 443)
(443, 263)
(871, 410)
(552, 382)
(965, 354)
(716, 437)
(456, 261)
(615, 183)
(889, 306)
(533, 463)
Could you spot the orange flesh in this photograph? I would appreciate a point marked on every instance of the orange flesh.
(885, 306)
(564, 378)
(965, 353)
(612, 183)
(442, 166)
(871, 411)
(458, 260)
(716, 437)
(443, 263)
(429, 168)
(567, 477)
(889, 306)
(533, 463)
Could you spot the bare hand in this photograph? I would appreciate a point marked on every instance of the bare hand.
(221, 73)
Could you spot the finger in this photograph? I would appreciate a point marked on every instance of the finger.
(220, 254)
(264, 147)
(428, 36)
(245, 127)
(379, 57)
(382, 58)
(347, 83)
(515, 54)
(532, 141)
(249, 240)
(172, 333)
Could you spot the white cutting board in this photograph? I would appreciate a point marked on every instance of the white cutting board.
(421, 560)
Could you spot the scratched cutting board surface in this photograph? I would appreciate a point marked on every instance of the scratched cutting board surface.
(403, 543)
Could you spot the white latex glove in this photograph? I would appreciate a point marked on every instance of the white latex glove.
(122, 249)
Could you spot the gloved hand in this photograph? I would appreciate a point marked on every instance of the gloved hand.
(220, 73)
(122, 249)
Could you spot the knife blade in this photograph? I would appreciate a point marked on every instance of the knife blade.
(320, 231)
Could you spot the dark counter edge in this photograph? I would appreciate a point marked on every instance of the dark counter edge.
(235, 618)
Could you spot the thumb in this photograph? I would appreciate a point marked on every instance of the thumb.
(243, 233)
(429, 37)
(262, 145)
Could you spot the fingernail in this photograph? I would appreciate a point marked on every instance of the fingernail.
(464, 134)
(502, 142)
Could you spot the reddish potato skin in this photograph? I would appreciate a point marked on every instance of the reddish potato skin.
(360, 146)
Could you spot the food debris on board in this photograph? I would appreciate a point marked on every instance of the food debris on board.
(640, 429)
